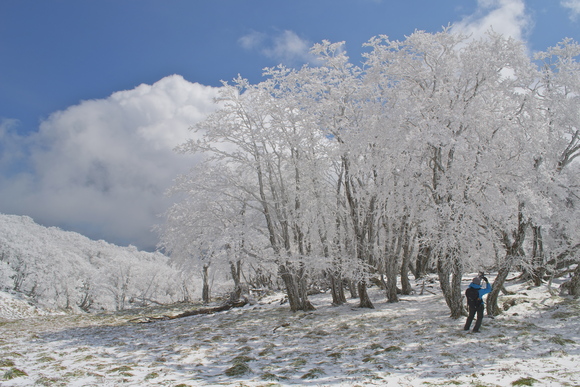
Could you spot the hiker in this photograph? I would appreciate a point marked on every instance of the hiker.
(474, 294)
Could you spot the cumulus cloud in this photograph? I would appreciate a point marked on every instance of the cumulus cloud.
(103, 166)
(287, 47)
(10, 150)
(573, 6)
(507, 17)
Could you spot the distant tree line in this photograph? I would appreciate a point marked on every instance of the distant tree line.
(67, 271)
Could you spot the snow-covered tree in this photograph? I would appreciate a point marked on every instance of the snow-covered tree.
(437, 146)
(65, 270)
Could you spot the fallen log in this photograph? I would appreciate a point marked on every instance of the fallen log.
(216, 309)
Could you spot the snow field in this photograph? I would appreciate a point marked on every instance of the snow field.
(410, 343)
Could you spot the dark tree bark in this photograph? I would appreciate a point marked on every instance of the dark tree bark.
(86, 300)
(236, 270)
(406, 287)
(365, 301)
(492, 306)
(538, 258)
(205, 293)
(449, 270)
(337, 289)
(574, 287)
(295, 284)
(393, 249)
(514, 252)
(391, 274)
(422, 261)
(362, 221)
(352, 287)
(408, 244)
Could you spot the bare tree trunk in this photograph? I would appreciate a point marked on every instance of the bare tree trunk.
(205, 294)
(514, 251)
(337, 288)
(236, 269)
(574, 288)
(352, 289)
(393, 241)
(295, 284)
(360, 231)
(393, 251)
(86, 299)
(408, 244)
(336, 284)
(422, 261)
(391, 274)
(450, 271)
(406, 287)
(365, 301)
(303, 290)
(538, 258)
(492, 307)
(291, 289)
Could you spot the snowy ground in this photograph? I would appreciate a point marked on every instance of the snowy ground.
(13, 308)
(411, 343)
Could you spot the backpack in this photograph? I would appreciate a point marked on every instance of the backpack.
(473, 299)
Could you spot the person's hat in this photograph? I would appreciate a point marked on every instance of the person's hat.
(476, 281)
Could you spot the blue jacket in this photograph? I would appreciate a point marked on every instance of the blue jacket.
(482, 291)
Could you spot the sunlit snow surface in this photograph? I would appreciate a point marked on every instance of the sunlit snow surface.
(410, 343)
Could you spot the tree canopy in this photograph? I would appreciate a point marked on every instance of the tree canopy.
(439, 152)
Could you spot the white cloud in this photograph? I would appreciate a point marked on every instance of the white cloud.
(287, 48)
(103, 166)
(252, 40)
(507, 17)
(574, 6)
(10, 151)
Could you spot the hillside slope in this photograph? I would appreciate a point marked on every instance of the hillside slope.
(62, 269)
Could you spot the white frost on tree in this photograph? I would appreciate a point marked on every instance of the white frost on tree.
(439, 151)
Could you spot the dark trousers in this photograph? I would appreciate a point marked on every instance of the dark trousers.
(472, 310)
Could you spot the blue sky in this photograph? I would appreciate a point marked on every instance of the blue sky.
(90, 109)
